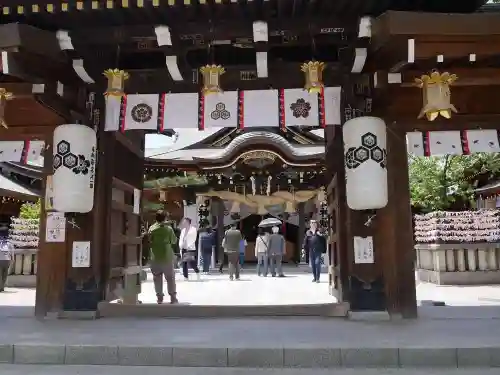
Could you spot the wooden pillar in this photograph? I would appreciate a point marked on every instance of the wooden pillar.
(361, 284)
(220, 229)
(400, 246)
(52, 257)
(302, 231)
(60, 287)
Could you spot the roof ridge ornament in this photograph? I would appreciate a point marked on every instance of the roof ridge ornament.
(436, 95)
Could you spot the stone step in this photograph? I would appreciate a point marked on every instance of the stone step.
(312, 357)
(120, 370)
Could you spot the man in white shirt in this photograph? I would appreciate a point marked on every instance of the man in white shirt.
(187, 245)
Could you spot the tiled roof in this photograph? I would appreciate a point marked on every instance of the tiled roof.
(254, 137)
(7, 185)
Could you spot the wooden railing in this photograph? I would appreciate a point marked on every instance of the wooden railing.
(23, 269)
(461, 264)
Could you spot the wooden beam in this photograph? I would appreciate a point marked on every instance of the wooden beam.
(21, 37)
(224, 30)
(444, 24)
(35, 68)
(281, 75)
(479, 102)
(393, 56)
(127, 143)
(27, 132)
(457, 122)
(466, 77)
(457, 47)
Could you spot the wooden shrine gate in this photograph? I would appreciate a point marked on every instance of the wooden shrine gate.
(403, 46)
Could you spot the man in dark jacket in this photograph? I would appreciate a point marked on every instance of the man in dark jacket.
(207, 244)
(315, 245)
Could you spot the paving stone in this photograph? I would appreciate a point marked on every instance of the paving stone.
(427, 357)
(473, 357)
(494, 357)
(243, 357)
(39, 354)
(6, 353)
(144, 356)
(312, 358)
(366, 357)
(199, 357)
(91, 355)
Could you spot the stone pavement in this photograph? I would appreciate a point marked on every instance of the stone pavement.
(467, 333)
(284, 342)
(119, 370)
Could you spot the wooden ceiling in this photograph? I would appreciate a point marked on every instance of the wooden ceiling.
(121, 34)
(403, 41)
(69, 15)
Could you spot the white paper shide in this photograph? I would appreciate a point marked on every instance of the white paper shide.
(363, 250)
(80, 255)
(74, 161)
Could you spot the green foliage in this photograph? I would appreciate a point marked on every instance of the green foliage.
(437, 182)
(30, 210)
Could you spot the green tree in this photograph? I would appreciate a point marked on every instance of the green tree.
(30, 210)
(437, 182)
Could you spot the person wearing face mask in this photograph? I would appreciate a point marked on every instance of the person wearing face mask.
(315, 245)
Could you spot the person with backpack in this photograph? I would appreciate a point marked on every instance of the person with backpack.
(161, 240)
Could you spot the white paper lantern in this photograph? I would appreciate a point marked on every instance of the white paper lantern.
(365, 163)
(74, 162)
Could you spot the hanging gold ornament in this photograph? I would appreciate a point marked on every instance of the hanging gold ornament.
(313, 72)
(211, 78)
(116, 82)
(4, 97)
(436, 95)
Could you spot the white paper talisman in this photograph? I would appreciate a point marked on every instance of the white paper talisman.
(80, 255)
(363, 250)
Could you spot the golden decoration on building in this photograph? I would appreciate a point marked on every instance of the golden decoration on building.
(313, 72)
(256, 155)
(436, 95)
(116, 82)
(211, 78)
(4, 97)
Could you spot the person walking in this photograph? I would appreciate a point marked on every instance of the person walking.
(6, 256)
(261, 246)
(161, 240)
(187, 244)
(231, 245)
(277, 248)
(207, 242)
(241, 252)
(315, 245)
